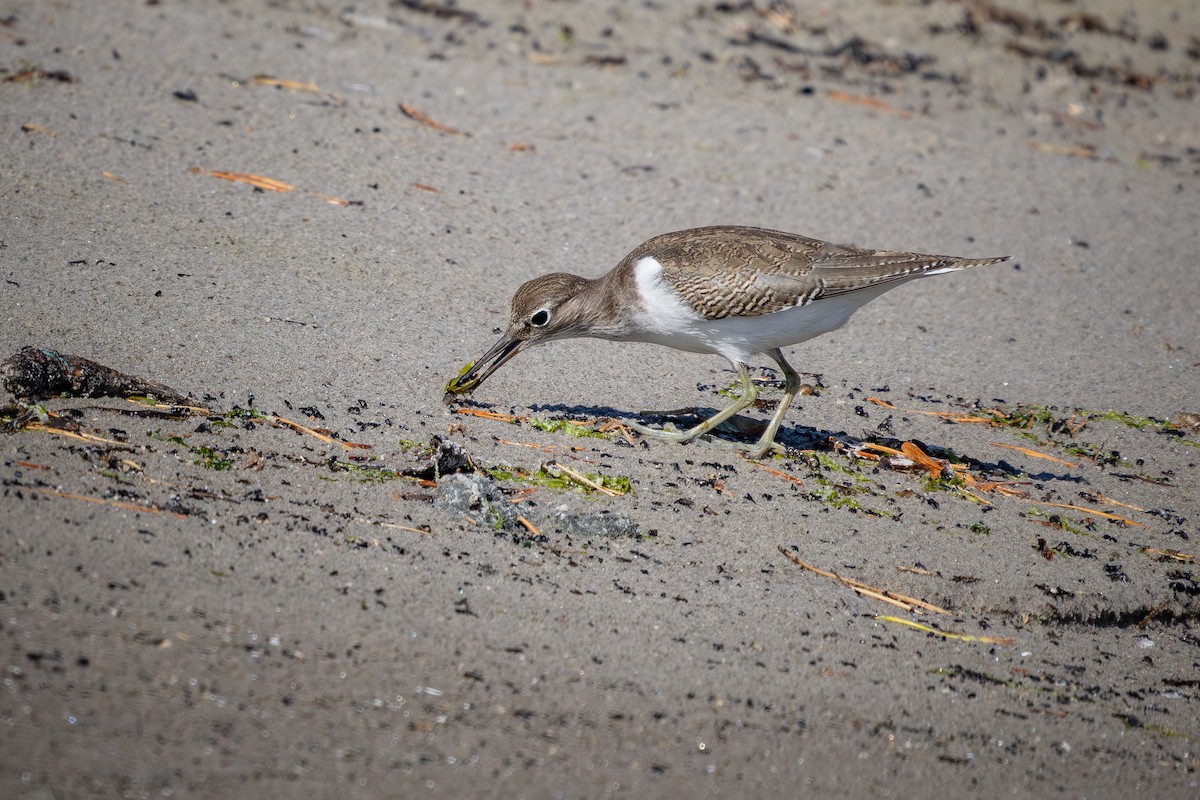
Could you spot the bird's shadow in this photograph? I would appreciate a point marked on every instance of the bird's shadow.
(744, 429)
(738, 429)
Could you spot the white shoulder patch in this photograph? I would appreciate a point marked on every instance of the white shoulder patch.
(663, 311)
(647, 271)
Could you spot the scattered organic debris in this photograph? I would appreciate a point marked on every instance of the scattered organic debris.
(475, 412)
(33, 74)
(605, 524)
(149, 509)
(553, 475)
(1186, 421)
(1113, 73)
(1097, 497)
(266, 184)
(443, 11)
(1005, 641)
(475, 495)
(83, 436)
(529, 526)
(942, 473)
(777, 473)
(1174, 555)
(1094, 512)
(583, 428)
(491, 493)
(296, 86)
(856, 51)
(257, 181)
(595, 60)
(33, 127)
(296, 426)
(873, 103)
(1087, 151)
(395, 526)
(552, 466)
(420, 116)
(547, 448)
(37, 373)
(457, 386)
(910, 604)
(1033, 453)
(597, 428)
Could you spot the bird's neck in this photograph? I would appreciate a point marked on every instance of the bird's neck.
(605, 305)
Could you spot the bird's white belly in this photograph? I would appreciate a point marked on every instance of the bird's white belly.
(668, 320)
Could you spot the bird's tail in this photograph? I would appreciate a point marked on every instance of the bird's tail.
(952, 264)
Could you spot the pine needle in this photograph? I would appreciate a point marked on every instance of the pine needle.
(1033, 453)
(1104, 514)
(104, 502)
(1005, 641)
(905, 602)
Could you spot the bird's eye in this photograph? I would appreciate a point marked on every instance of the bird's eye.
(540, 318)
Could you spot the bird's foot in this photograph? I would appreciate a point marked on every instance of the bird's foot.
(670, 433)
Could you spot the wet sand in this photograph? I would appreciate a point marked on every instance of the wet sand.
(331, 583)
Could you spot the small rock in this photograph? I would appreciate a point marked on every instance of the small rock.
(450, 457)
(476, 496)
(597, 523)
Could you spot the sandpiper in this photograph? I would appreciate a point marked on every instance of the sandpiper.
(730, 290)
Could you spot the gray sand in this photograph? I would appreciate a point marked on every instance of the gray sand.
(220, 606)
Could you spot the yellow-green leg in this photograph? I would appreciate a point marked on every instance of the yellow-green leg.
(744, 400)
(791, 387)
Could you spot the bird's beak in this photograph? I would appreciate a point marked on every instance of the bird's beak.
(476, 372)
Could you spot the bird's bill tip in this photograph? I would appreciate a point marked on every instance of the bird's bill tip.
(476, 372)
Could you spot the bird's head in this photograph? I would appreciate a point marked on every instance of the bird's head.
(541, 312)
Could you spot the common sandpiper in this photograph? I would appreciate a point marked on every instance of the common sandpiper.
(730, 290)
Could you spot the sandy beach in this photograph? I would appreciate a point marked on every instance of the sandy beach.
(974, 571)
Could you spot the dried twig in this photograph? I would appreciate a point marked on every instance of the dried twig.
(583, 479)
(615, 425)
(934, 466)
(777, 473)
(279, 83)
(1033, 453)
(1104, 514)
(397, 526)
(423, 118)
(101, 501)
(264, 183)
(954, 416)
(296, 426)
(80, 435)
(1097, 497)
(905, 602)
(257, 181)
(475, 412)
(529, 526)
(962, 637)
(870, 102)
(1174, 555)
(545, 448)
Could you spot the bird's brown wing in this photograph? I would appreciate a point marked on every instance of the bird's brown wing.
(731, 271)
